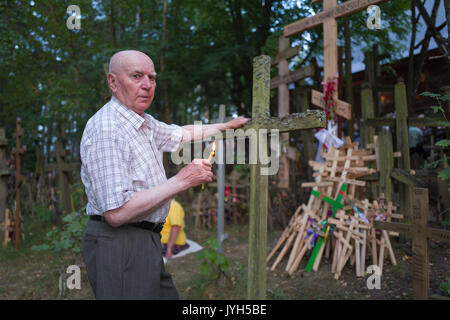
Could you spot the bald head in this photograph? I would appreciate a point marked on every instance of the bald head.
(125, 57)
(132, 79)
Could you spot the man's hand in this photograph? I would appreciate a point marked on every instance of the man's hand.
(195, 173)
(236, 122)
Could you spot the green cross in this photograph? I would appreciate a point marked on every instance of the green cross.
(335, 205)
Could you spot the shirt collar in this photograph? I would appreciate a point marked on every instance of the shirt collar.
(131, 116)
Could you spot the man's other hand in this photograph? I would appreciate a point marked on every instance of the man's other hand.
(237, 122)
(196, 173)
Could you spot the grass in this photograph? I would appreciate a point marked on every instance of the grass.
(27, 274)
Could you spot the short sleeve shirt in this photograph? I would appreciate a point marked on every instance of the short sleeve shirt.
(122, 153)
(175, 218)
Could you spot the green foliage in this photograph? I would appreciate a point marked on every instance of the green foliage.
(243, 169)
(45, 216)
(444, 174)
(443, 143)
(213, 262)
(276, 294)
(445, 286)
(68, 238)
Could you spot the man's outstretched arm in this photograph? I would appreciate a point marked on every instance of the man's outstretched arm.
(190, 133)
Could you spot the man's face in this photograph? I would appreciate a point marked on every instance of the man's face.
(133, 81)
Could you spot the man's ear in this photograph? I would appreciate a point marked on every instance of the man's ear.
(112, 81)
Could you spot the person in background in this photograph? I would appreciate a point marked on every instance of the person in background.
(173, 237)
(415, 137)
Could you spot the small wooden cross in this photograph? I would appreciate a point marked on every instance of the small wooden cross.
(63, 168)
(259, 187)
(420, 233)
(17, 152)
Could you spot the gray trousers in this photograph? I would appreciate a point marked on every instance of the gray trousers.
(125, 263)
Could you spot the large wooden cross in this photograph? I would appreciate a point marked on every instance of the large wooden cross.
(282, 81)
(63, 168)
(331, 11)
(420, 233)
(259, 187)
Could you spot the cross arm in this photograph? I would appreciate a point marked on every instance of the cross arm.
(393, 226)
(291, 122)
(340, 11)
(439, 234)
(405, 177)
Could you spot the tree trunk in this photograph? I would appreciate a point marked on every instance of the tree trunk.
(165, 84)
(113, 27)
(447, 14)
(410, 82)
(420, 63)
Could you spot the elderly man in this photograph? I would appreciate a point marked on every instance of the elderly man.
(127, 189)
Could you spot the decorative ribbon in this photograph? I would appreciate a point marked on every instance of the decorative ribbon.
(314, 238)
(329, 90)
(328, 137)
(379, 216)
(360, 214)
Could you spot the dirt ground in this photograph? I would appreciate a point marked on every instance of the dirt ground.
(396, 282)
(35, 275)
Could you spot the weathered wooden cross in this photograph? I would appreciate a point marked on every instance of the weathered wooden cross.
(4, 173)
(331, 11)
(284, 78)
(63, 168)
(17, 152)
(420, 233)
(259, 187)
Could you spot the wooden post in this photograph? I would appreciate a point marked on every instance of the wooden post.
(4, 173)
(259, 188)
(421, 265)
(18, 151)
(367, 112)
(221, 184)
(283, 109)
(330, 45)
(367, 133)
(401, 109)
(386, 162)
(306, 135)
(420, 232)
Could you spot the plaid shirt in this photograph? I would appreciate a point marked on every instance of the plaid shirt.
(121, 153)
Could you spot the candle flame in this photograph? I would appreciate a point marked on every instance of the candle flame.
(213, 146)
